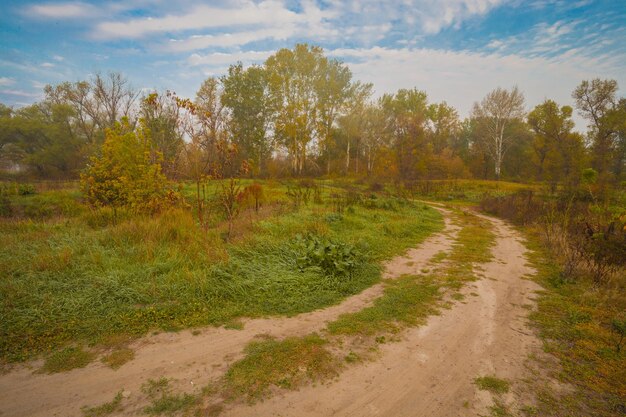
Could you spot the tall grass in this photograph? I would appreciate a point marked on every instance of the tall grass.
(88, 279)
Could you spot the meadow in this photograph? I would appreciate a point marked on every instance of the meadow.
(75, 276)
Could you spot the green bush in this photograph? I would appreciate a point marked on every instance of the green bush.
(25, 189)
(333, 257)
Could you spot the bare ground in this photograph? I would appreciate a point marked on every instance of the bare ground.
(430, 372)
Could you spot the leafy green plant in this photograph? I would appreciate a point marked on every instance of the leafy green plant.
(66, 360)
(618, 326)
(104, 409)
(26, 189)
(492, 384)
(333, 257)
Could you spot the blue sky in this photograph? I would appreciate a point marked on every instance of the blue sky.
(455, 50)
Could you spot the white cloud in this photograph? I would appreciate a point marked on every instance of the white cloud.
(6, 81)
(463, 77)
(268, 12)
(58, 58)
(47, 65)
(226, 40)
(20, 93)
(219, 59)
(60, 10)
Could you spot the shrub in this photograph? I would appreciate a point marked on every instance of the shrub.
(334, 258)
(25, 189)
(127, 174)
(253, 194)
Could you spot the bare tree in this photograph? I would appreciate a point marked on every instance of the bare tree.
(114, 97)
(493, 114)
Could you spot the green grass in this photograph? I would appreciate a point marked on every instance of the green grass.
(104, 409)
(463, 191)
(171, 404)
(67, 359)
(574, 320)
(284, 363)
(163, 401)
(492, 384)
(406, 301)
(85, 279)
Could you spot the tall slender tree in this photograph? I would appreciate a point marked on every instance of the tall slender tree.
(493, 115)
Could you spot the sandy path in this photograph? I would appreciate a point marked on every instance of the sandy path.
(431, 372)
(192, 361)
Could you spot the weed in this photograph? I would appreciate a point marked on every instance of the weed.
(171, 404)
(285, 364)
(119, 357)
(352, 357)
(67, 282)
(492, 384)
(104, 409)
(155, 387)
(499, 410)
(66, 360)
(406, 301)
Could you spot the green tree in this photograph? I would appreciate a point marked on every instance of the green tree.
(406, 115)
(335, 91)
(596, 100)
(443, 125)
(161, 115)
(293, 76)
(246, 97)
(557, 150)
(42, 137)
(125, 174)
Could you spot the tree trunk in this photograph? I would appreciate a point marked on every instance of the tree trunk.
(348, 158)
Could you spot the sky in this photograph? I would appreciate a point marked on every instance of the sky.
(454, 50)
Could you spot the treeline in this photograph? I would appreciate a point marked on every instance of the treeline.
(302, 114)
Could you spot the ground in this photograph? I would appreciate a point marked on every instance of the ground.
(481, 330)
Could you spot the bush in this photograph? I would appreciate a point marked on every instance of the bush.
(334, 258)
(588, 239)
(26, 189)
(127, 174)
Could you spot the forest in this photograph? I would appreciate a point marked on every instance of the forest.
(302, 114)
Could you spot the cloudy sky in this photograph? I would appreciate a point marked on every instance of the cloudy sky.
(455, 50)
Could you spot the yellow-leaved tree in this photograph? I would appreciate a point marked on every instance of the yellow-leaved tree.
(127, 174)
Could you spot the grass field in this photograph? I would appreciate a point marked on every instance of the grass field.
(74, 277)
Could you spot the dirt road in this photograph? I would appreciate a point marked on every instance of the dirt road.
(431, 372)
(428, 373)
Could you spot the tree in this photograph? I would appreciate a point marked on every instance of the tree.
(114, 98)
(596, 101)
(161, 114)
(557, 150)
(125, 175)
(42, 138)
(373, 135)
(406, 115)
(293, 76)
(354, 123)
(245, 96)
(334, 89)
(98, 104)
(443, 125)
(493, 114)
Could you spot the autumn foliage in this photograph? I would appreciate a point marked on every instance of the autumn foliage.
(127, 174)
